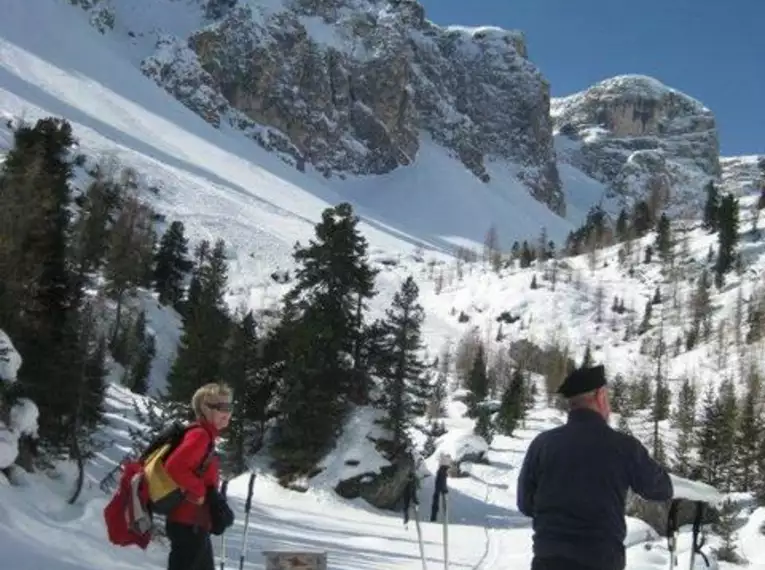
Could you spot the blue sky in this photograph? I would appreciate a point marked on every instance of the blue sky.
(714, 50)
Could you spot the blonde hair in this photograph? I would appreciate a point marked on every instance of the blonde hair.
(207, 393)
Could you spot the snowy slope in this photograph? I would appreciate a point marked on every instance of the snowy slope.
(222, 185)
(486, 531)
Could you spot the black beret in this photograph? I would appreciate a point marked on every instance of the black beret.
(583, 380)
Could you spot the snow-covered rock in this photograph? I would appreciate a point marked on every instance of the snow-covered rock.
(459, 447)
(742, 175)
(10, 360)
(23, 415)
(640, 137)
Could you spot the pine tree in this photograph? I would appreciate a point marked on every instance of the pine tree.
(663, 238)
(40, 296)
(478, 380)
(641, 393)
(128, 260)
(171, 265)
(645, 324)
(526, 256)
(727, 433)
(711, 208)
(321, 325)
(245, 371)
(717, 434)
(587, 358)
(205, 325)
(661, 400)
(700, 308)
(725, 528)
(709, 440)
(512, 408)
(728, 223)
(141, 353)
(684, 417)
(619, 394)
(642, 219)
(622, 226)
(483, 426)
(749, 432)
(102, 200)
(405, 384)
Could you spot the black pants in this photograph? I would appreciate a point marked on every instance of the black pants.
(190, 548)
(556, 563)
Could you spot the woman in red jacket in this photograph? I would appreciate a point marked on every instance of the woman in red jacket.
(194, 466)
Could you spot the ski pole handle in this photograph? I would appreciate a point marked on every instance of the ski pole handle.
(248, 503)
(224, 488)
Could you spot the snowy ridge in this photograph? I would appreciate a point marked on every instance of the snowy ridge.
(634, 85)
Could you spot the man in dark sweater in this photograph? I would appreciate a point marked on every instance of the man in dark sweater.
(574, 482)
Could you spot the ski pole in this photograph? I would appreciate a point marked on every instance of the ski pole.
(445, 503)
(419, 535)
(247, 506)
(672, 534)
(223, 489)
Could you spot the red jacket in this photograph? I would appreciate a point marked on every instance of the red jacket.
(182, 465)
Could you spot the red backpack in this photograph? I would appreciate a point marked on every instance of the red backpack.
(145, 489)
(127, 515)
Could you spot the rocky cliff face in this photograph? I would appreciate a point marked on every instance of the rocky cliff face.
(353, 86)
(639, 137)
(743, 175)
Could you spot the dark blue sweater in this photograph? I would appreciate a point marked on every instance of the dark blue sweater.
(574, 483)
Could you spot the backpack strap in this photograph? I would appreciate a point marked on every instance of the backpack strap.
(209, 454)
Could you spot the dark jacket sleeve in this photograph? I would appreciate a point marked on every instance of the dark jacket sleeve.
(527, 481)
(648, 478)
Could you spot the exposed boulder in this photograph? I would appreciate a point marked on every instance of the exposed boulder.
(656, 513)
(383, 489)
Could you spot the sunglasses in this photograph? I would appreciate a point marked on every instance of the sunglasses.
(221, 407)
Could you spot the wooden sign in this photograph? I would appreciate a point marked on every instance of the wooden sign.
(289, 560)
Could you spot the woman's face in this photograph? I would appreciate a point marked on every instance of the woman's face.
(218, 411)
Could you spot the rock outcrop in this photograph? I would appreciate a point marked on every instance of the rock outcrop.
(353, 86)
(639, 137)
(743, 175)
(383, 489)
(656, 513)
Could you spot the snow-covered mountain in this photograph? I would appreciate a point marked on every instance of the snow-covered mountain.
(639, 137)
(139, 89)
(362, 87)
(350, 86)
